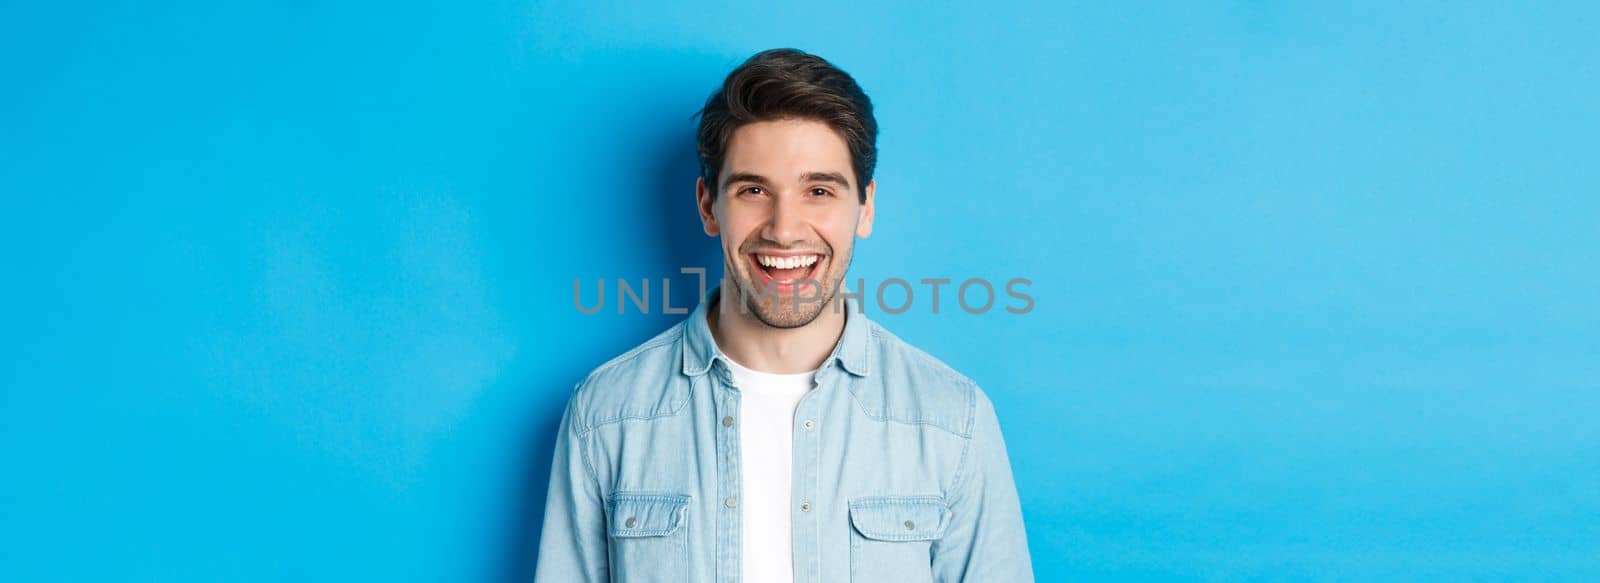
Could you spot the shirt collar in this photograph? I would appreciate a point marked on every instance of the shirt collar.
(700, 347)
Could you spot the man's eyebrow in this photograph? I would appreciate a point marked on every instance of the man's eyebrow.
(746, 177)
(833, 177)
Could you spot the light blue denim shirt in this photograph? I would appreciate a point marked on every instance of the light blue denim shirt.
(900, 472)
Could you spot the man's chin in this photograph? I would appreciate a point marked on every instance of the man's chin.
(787, 316)
(779, 310)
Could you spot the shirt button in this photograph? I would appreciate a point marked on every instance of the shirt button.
(809, 424)
(631, 522)
(805, 507)
(730, 502)
(911, 525)
(727, 421)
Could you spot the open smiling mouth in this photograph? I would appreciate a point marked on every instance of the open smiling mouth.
(785, 271)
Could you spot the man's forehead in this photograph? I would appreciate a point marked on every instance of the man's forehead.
(784, 150)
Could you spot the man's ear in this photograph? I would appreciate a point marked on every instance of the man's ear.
(706, 203)
(864, 223)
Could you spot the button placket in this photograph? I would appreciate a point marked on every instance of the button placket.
(729, 517)
(804, 485)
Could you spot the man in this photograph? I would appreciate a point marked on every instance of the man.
(777, 434)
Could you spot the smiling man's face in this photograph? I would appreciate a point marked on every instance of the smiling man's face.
(787, 209)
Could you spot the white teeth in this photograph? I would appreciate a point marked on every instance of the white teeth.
(786, 262)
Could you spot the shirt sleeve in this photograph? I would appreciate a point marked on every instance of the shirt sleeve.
(572, 546)
(985, 540)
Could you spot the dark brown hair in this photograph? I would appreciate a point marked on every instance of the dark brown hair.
(789, 83)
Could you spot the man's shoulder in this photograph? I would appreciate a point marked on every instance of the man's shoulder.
(636, 384)
(917, 387)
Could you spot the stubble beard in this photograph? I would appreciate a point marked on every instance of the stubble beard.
(785, 310)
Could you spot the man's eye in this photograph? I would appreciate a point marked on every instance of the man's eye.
(754, 190)
(820, 192)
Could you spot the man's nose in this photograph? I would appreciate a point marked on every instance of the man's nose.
(788, 225)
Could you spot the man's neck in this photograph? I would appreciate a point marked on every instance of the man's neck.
(757, 346)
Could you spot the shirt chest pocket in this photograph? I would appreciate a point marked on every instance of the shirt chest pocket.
(891, 537)
(649, 534)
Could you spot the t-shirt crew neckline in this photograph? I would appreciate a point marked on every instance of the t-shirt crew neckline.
(773, 376)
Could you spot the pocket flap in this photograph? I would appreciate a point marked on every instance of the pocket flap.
(636, 514)
(899, 518)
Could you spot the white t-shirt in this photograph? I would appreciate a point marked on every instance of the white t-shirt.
(766, 458)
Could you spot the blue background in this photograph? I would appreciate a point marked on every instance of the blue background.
(288, 286)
